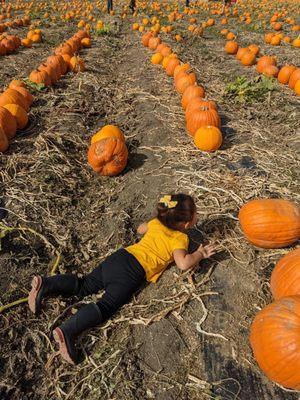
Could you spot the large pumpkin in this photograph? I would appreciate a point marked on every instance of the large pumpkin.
(285, 278)
(108, 156)
(19, 113)
(8, 123)
(275, 341)
(270, 223)
(285, 74)
(39, 77)
(202, 116)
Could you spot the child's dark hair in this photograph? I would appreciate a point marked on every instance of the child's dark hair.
(172, 216)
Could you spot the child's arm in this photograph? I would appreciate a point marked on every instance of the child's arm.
(185, 261)
(142, 229)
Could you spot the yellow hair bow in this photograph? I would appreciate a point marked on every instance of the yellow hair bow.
(167, 201)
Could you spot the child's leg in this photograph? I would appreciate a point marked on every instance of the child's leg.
(66, 285)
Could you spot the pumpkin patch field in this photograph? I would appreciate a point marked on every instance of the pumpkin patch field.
(101, 113)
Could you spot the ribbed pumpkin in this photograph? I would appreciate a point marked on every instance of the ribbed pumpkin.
(156, 59)
(15, 83)
(184, 81)
(190, 93)
(12, 96)
(38, 77)
(275, 341)
(58, 62)
(3, 141)
(181, 67)
(208, 138)
(50, 70)
(108, 156)
(241, 52)
(270, 223)
(77, 64)
(145, 38)
(172, 64)
(8, 123)
(19, 113)
(198, 102)
(154, 42)
(27, 95)
(202, 116)
(231, 47)
(263, 62)
(285, 74)
(285, 278)
(295, 76)
(108, 131)
(248, 58)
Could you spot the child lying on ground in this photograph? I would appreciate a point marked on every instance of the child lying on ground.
(122, 273)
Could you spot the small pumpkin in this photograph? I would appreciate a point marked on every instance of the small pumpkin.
(156, 59)
(108, 131)
(285, 278)
(231, 47)
(270, 223)
(208, 138)
(263, 62)
(197, 102)
(77, 64)
(190, 93)
(274, 338)
(146, 37)
(248, 58)
(8, 123)
(3, 141)
(19, 113)
(172, 64)
(86, 42)
(108, 157)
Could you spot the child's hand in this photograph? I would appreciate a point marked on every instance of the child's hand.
(207, 251)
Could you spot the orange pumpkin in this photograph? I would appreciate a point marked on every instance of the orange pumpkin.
(295, 76)
(38, 77)
(27, 95)
(208, 138)
(285, 74)
(8, 123)
(180, 68)
(182, 82)
(190, 93)
(3, 141)
(19, 113)
(202, 116)
(270, 223)
(231, 47)
(77, 64)
(248, 58)
(285, 278)
(108, 157)
(271, 70)
(16, 83)
(263, 62)
(145, 38)
(172, 64)
(275, 341)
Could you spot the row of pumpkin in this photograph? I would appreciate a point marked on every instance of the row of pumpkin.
(18, 22)
(16, 101)
(202, 119)
(267, 65)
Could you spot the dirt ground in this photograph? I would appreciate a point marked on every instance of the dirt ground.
(186, 337)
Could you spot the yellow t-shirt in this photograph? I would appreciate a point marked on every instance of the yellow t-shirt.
(155, 250)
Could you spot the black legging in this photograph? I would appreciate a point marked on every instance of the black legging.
(120, 275)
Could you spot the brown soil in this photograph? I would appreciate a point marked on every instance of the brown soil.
(153, 348)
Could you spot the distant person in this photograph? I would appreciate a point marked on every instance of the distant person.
(109, 5)
(120, 275)
(132, 5)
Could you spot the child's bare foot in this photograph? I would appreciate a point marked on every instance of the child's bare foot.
(63, 348)
(36, 285)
